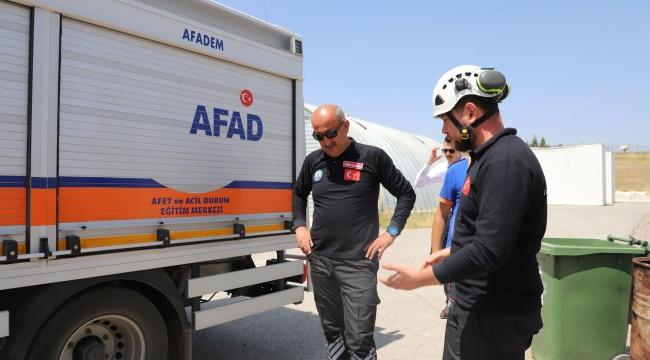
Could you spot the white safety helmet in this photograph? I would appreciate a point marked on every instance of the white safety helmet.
(467, 80)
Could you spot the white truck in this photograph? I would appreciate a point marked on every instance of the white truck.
(147, 151)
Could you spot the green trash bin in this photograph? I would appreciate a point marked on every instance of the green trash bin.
(585, 305)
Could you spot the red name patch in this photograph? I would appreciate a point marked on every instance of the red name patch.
(352, 165)
(352, 175)
(466, 186)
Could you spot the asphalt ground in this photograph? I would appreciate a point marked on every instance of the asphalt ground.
(408, 324)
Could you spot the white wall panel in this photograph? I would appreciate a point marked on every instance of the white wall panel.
(610, 175)
(575, 175)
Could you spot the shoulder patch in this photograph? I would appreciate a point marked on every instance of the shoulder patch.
(466, 185)
(318, 175)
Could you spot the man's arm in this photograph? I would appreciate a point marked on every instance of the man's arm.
(301, 190)
(440, 218)
(504, 187)
(406, 278)
(446, 198)
(396, 184)
(430, 175)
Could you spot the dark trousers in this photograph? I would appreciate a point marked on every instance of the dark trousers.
(481, 335)
(345, 292)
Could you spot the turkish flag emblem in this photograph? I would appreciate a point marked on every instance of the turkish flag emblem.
(352, 175)
(246, 98)
(466, 185)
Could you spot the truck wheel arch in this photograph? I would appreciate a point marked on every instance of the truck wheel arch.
(39, 303)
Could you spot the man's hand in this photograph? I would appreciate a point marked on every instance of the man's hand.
(303, 236)
(379, 246)
(436, 257)
(433, 156)
(406, 278)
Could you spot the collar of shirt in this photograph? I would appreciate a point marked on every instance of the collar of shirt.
(457, 161)
(488, 144)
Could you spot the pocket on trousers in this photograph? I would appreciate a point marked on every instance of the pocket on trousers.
(485, 324)
(367, 302)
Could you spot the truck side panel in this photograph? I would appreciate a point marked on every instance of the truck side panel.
(14, 93)
(151, 134)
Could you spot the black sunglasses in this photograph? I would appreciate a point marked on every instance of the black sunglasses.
(450, 151)
(330, 134)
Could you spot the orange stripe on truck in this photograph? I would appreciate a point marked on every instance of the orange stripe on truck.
(13, 206)
(42, 210)
(79, 204)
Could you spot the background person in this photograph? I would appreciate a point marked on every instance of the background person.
(444, 217)
(433, 172)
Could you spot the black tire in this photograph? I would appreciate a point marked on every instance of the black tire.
(104, 303)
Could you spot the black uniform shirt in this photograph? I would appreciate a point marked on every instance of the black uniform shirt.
(499, 228)
(345, 190)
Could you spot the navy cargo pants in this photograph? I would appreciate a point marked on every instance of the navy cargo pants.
(345, 292)
(481, 335)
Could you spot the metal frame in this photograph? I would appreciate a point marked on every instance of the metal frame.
(236, 279)
(44, 120)
(38, 272)
(205, 318)
(214, 220)
(309, 286)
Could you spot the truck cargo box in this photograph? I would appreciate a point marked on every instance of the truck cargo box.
(128, 125)
(147, 154)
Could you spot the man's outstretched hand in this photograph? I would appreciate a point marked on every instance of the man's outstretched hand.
(436, 257)
(406, 278)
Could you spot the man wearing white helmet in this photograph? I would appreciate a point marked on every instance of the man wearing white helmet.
(499, 226)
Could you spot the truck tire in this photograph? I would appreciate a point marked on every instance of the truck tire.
(105, 323)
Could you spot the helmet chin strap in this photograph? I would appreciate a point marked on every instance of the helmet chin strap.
(465, 143)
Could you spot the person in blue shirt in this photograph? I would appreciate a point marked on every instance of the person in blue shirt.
(444, 218)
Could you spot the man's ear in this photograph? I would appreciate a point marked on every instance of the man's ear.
(472, 111)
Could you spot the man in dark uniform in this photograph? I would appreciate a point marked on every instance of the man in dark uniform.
(342, 246)
(499, 226)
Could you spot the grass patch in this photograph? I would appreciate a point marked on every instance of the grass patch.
(632, 171)
(420, 219)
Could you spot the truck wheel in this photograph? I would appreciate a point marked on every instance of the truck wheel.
(108, 323)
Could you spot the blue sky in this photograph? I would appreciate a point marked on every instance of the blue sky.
(579, 70)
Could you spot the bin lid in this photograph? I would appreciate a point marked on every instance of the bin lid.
(577, 247)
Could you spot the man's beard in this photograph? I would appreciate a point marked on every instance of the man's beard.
(463, 145)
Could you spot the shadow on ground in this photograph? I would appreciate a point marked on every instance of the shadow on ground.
(284, 333)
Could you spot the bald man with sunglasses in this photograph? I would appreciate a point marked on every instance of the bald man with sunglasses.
(343, 245)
